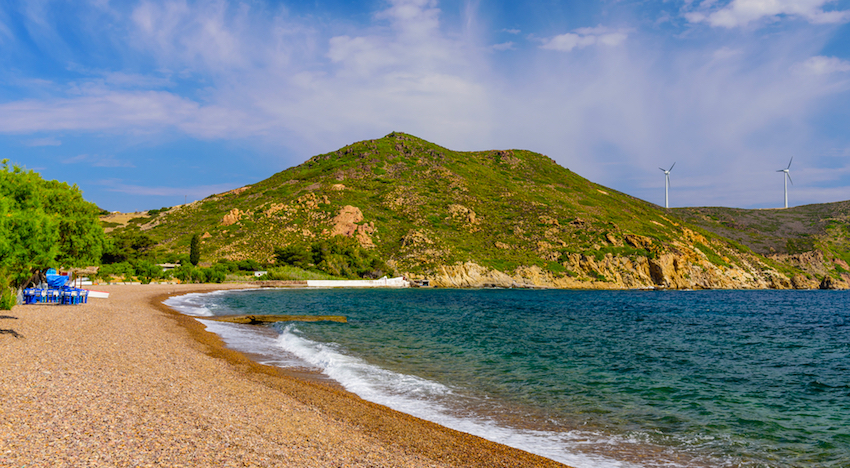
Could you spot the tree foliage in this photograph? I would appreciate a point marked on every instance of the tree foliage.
(127, 244)
(191, 274)
(338, 256)
(297, 255)
(195, 250)
(44, 223)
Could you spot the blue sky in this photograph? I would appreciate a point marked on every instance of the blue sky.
(147, 104)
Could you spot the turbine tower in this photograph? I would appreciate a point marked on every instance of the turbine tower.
(667, 185)
(786, 177)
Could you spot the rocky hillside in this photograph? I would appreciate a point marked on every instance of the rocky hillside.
(469, 219)
(812, 238)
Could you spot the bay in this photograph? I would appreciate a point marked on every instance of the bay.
(589, 378)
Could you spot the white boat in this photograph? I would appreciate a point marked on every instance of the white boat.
(98, 294)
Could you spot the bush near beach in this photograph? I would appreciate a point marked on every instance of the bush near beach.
(43, 223)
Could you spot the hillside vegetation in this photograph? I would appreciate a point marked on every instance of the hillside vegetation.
(509, 217)
(813, 238)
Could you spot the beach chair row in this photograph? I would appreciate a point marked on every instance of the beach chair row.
(64, 296)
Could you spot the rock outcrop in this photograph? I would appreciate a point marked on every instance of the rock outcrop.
(345, 224)
(667, 271)
(232, 217)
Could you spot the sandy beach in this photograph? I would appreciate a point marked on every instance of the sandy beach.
(125, 381)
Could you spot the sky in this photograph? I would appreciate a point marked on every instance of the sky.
(148, 104)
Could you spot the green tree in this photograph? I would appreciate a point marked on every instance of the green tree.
(126, 244)
(296, 255)
(195, 250)
(147, 271)
(338, 256)
(44, 223)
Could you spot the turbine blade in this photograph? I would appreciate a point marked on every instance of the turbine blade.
(664, 170)
(789, 163)
(789, 177)
(671, 167)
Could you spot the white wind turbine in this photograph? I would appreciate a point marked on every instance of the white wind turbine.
(787, 177)
(667, 185)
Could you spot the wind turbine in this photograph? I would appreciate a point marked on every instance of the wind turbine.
(667, 185)
(787, 177)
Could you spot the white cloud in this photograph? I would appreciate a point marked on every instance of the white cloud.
(361, 55)
(49, 141)
(4, 30)
(725, 53)
(194, 192)
(136, 112)
(504, 46)
(96, 160)
(567, 42)
(212, 36)
(820, 65)
(743, 12)
(584, 37)
(412, 18)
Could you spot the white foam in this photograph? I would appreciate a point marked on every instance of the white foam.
(429, 400)
(258, 341)
(195, 304)
(189, 304)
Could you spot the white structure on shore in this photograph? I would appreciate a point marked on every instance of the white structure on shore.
(384, 282)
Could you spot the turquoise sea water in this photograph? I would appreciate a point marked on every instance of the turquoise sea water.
(589, 378)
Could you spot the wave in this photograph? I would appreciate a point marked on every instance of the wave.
(432, 401)
(194, 304)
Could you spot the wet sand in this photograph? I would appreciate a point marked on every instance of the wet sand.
(126, 381)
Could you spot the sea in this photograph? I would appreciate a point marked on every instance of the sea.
(587, 378)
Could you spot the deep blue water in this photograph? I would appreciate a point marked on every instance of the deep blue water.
(590, 378)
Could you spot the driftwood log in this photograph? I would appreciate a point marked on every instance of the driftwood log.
(264, 319)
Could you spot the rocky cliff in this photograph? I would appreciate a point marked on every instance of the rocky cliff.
(668, 271)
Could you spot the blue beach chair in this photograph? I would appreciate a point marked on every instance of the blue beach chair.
(67, 299)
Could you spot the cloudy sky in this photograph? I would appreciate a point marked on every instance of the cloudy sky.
(145, 104)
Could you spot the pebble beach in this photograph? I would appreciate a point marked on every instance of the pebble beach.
(126, 381)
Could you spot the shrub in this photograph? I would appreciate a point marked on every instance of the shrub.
(291, 273)
(296, 255)
(147, 271)
(248, 265)
(192, 274)
(123, 269)
(340, 256)
(8, 298)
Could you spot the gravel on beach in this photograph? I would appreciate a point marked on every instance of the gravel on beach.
(125, 381)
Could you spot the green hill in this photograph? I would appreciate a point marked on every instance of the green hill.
(501, 217)
(814, 238)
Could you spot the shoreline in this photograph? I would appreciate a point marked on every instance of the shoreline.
(116, 383)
